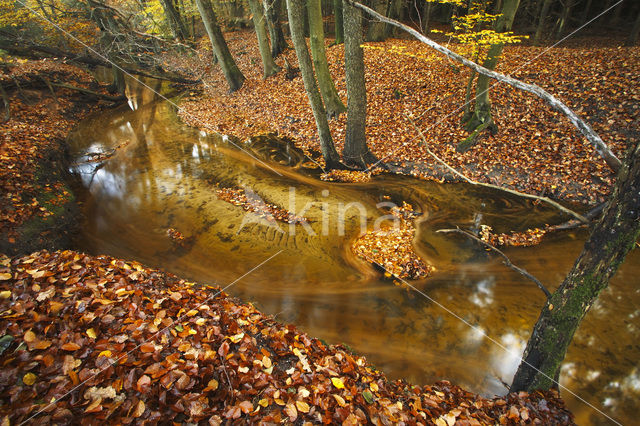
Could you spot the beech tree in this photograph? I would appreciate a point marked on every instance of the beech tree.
(231, 72)
(175, 20)
(269, 67)
(332, 103)
(611, 239)
(272, 11)
(355, 145)
(295, 10)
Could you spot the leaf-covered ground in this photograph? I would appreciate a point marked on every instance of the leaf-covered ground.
(32, 151)
(96, 339)
(536, 149)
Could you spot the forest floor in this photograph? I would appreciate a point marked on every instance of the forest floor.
(101, 339)
(536, 149)
(37, 208)
(110, 341)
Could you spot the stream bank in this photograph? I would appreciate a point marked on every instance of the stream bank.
(38, 208)
(536, 149)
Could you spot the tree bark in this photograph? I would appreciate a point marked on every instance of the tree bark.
(278, 43)
(339, 21)
(481, 117)
(541, 21)
(601, 148)
(426, 16)
(355, 145)
(564, 17)
(231, 72)
(295, 10)
(376, 32)
(269, 67)
(175, 20)
(603, 253)
(332, 102)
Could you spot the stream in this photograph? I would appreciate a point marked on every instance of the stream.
(164, 174)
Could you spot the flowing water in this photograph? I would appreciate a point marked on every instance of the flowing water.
(468, 322)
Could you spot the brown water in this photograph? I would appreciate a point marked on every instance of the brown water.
(165, 177)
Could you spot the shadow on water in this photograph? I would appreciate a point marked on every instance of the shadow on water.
(164, 175)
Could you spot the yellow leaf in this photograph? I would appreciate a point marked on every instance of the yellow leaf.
(29, 336)
(91, 333)
(236, 338)
(302, 406)
(340, 400)
(5, 276)
(337, 382)
(29, 379)
(106, 353)
(5, 294)
(263, 402)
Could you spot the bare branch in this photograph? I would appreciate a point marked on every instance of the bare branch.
(500, 188)
(505, 259)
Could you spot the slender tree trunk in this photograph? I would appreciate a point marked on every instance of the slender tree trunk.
(332, 102)
(175, 20)
(394, 11)
(633, 36)
(231, 72)
(278, 43)
(564, 17)
(269, 67)
(295, 10)
(355, 145)
(426, 16)
(546, 5)
(603, 253)
(376, 32)
(339, 21)
(585, 12)
(481, 119)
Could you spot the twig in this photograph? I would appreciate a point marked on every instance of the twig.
(506, 260)
(500, 188)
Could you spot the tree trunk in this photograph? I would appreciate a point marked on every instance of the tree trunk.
(376, 32)
(394, 11)
(426, 15)
(278, 43)
(546, 5)
(564, 17)
(610, 241)
(269, 67)
(332, 102)
(339, 21)
(633, 36)
(585, 12)
(231, 72)
(481, 118)
(355, 145)
(295, 10)
(175, 20)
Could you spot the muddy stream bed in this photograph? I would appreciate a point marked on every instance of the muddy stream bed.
(164, 174)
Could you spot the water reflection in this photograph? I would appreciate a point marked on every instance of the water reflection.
(165, 175)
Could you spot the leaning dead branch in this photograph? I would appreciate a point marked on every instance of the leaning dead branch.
(549, 201)
(601, 148)
(505, 259)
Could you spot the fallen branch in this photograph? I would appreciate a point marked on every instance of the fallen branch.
(500, 188)
(601, 148)
(506, 260)
(91, 92)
